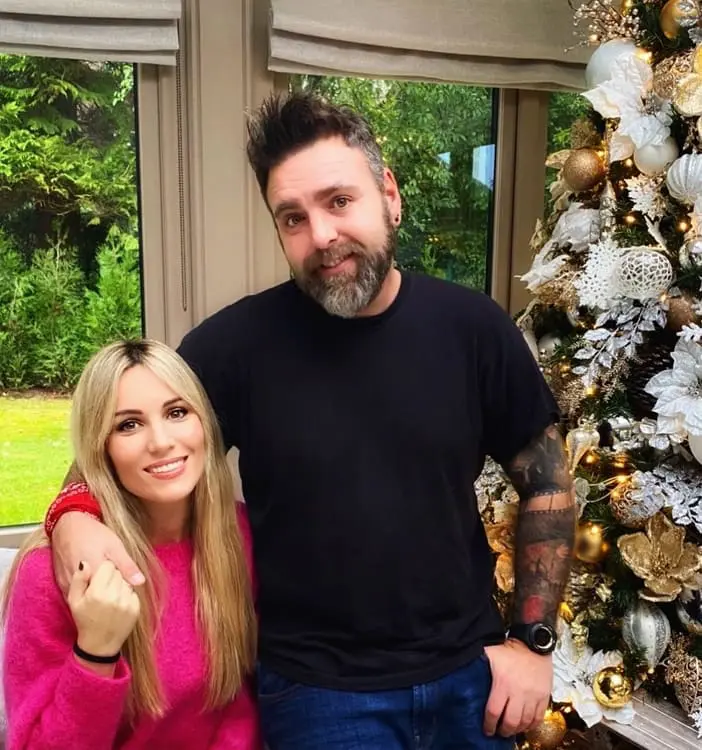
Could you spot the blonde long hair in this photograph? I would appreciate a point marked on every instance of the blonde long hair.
(224, 602)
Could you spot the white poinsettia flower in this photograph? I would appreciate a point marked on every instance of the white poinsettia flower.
(679, 391)
(543, 268)
(574, 670)
(577, 227)
(625, 96)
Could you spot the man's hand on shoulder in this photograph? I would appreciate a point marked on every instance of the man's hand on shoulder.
(80, 537)
(521, 688)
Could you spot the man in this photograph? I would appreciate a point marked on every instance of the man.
(363, 401)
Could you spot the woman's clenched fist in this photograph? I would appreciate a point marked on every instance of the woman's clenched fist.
(105, 609)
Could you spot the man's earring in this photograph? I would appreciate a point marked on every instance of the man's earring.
(397, 220)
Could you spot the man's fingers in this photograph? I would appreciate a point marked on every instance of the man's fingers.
(493, 710)
(527, 718)
(539, 714)
(126, 566)
(511, 718)
(79, 583)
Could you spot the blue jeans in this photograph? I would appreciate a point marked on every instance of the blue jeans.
(446, 714)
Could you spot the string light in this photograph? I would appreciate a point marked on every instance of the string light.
(591, 390)
(630, 219)
(629, 162)
(591, 458)
(683, 226)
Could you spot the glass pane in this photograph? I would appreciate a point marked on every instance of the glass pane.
(439, 140)
(69, 256)
(565, 108)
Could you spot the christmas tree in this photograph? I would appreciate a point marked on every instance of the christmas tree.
(616, 325)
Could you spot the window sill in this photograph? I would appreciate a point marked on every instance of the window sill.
(657, 724)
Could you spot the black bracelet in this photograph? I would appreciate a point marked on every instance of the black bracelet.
(78, 651)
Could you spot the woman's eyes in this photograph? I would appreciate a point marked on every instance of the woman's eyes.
(176, 412)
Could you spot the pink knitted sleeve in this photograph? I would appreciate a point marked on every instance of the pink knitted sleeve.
(52, 702)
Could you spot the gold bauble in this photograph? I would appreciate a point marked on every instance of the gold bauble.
(675, 15)
(687, 95)
(590, 544)
(550, 733)
(612, 688)
(681, 312)
(584, 169)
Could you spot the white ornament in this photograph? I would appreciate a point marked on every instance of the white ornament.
(684, 178)
(596, 284)
(653, 159)
(643, 274)
(695, 443)
(678, 404)
(644, 192)
(599, 68)
(645, 627)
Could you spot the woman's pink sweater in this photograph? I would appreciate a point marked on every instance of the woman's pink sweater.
(54, 703)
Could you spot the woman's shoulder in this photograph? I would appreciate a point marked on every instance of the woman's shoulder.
(37, 566)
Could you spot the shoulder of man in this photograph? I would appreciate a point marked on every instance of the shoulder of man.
(476, 308)
(231, 327)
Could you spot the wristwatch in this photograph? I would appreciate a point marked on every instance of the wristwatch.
(538, 636)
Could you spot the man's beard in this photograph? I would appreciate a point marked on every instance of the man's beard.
(347, 294)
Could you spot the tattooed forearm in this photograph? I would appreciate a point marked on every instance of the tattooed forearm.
(542, 467)
(544, 549)
(545, 529)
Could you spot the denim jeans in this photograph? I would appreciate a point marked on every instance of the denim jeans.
(446, 714)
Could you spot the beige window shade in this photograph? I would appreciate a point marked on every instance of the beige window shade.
(502, 43)
(143, 31)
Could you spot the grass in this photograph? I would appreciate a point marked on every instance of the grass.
(34, 454)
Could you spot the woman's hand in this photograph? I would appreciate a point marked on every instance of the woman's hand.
(105, 608)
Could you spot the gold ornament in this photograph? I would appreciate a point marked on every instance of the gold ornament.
(500, 537)
(677, 15)
(584, 169)
(668, 72)
(612, 688)
(687, 95)
(590, 544)
(681, 312)
(585, 437)
(684, 671)
(550, 733)
(661, 557)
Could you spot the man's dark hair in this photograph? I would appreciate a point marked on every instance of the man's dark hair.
(287, 123)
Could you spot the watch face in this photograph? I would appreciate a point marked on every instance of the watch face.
(543, 637)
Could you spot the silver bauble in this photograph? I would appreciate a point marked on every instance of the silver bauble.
(646, 628)
(689, 610)
(547, 345)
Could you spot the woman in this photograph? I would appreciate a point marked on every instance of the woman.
(165, 666)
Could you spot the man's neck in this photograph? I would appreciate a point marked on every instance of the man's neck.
(386, 296)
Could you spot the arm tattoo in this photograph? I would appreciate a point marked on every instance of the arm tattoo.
(545, 528)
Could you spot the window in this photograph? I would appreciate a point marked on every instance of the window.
(439, 141)
(69, 256)
(563, 111)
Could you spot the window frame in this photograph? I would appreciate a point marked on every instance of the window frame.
(191, 146)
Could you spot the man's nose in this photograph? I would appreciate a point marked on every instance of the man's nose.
(323, 229)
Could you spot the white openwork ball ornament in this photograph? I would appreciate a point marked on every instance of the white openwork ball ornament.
(643, 273)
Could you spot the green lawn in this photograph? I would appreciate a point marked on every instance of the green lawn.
(34, 455)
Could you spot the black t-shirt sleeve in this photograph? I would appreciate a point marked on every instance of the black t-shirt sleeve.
(218, 371)
(517, 404)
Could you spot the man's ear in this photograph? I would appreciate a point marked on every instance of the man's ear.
(392, 195)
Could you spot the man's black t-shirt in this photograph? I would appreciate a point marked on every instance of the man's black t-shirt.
(360, 441)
